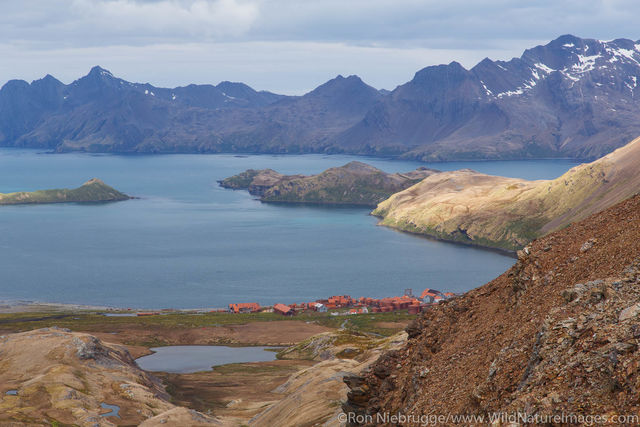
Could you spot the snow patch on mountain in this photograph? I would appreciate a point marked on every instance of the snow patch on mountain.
(585, 63)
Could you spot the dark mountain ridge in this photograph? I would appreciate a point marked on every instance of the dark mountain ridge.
(572, 97)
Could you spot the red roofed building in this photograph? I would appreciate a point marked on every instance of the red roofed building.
(285, 310)
(244, 307)
(340, 301)
(429, 296)
(430, 292)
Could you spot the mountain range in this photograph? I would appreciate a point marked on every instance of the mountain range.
(572, 97)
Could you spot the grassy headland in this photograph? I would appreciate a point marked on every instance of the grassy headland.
(93, 190)
(507, 213)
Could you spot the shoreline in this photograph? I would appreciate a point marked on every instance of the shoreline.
(505, 252)
(25, 306)
(397, 157)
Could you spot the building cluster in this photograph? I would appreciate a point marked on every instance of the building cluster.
(408, 301)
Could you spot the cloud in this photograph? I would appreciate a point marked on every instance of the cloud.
(104, 22)
(454, 23)
(221, 18)
(288, 67)
(286, 45)
(424, 23)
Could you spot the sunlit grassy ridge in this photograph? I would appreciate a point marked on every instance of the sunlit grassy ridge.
(507, 213)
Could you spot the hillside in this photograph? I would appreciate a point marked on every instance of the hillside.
(93, 190)
(555, 334)
(54, 376)
(312, 396)
(572, 97)
(355, 183)
(471, 207)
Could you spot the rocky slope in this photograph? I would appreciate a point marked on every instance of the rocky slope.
(93, 190)
(572, 97)
(556, 334)
(53, 375)
(313, 395)
(355, 183)
(506, 213)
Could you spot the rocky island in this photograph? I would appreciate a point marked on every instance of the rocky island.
(93, 190)
(355, 183)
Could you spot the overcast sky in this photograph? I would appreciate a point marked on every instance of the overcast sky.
(286, 46)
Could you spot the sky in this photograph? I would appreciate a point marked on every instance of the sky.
(286, 46)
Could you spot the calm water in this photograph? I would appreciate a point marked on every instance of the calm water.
(184, 359)
(114, 410)
(189, 243)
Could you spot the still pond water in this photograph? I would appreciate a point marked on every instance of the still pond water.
(184, 359)
(188, 243)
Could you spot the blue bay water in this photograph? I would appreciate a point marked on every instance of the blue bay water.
(188, 243)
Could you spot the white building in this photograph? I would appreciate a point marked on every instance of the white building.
(320, 307)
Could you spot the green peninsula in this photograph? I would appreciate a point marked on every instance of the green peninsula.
(93, 190)
(507, 213)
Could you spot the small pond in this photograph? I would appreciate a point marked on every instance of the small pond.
(183, 359)
(114, 410)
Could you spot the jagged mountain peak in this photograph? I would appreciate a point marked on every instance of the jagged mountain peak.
(233, 85)
(567, 39)
(47, 79)
(434, 80)
(99, 71)
(235, 89)
(453, 66)
(340, 82)
(486, 62)
(568, 58)
(98, 77)
(441, 76)
(340, 87)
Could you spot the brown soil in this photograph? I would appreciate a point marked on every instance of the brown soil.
(392, 325)
(232, 391)
(547, 337)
